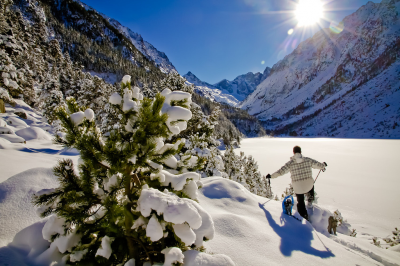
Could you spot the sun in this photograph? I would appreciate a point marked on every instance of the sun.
(309, 12)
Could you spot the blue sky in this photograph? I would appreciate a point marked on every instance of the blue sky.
(219, 39)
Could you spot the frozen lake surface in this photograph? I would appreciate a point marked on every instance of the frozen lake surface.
(362, 178)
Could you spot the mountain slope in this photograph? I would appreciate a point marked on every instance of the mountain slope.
(160, 59)
(330, 73)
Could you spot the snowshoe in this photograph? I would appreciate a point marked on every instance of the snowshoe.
(287, 205)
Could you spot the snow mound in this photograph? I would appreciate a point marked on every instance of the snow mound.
(196, 258)
(12, 138)
(252, 230)
(16, 193)
(4, 143)
(33, 133)
(224, 188)
(6, 130)
(16, 122)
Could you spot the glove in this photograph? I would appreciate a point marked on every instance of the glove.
(325, 164)
(268, 176)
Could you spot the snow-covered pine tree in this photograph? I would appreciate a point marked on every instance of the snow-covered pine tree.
(9, 75)
(257, 183)
(51, 98)
(201, 143)
(174, 81)
(234, 167)
(125, 205)
(288, 191)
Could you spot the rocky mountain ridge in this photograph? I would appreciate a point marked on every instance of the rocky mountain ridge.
(243, 85)
(229, 92)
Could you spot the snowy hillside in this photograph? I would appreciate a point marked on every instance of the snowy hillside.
(342, 82)
(209, 91)
(250, 229)
(160, 59)
(243, 85)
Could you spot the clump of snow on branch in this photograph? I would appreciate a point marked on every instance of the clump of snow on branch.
(105, 249)
(173, 255)
(177, 115)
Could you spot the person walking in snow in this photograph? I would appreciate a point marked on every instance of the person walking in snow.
(300, 169)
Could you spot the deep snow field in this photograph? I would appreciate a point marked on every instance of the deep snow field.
(361, 181)
(362, 178)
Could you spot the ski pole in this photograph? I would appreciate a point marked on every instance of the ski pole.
(317, 176)
(323, 170)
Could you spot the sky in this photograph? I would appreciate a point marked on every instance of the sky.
(221, 39)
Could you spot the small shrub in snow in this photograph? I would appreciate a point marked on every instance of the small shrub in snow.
(353, 233)
(395, 239)
(376, 242)
(128, 202)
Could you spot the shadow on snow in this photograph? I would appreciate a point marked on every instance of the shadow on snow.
(295, 236)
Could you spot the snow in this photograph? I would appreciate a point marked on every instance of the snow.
(33, 133)
(126, 79)
(54, 225)
(89, 114)
(16, 193)
(6, 130)
(196, 258)
(111, 182)
(12, 138)
(361, 181)
(185, 233)
(115, 98)
(174, 209)
(78, 118)
(334, 84)
(252, 230)
(210, 91)
(178, 181)
(176, 113)
(172, 255)
(129, 104)
(105, 249)
(78, 255)
(154, 229)
(130, 262)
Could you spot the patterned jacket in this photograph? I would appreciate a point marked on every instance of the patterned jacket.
(301, 172)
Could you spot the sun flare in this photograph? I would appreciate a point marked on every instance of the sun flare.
(309, 12)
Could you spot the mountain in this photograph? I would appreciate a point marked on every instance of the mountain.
(209, 91)
(159, 58)
(243, 85)
(100, 44)
(342, 82)
(229, 92)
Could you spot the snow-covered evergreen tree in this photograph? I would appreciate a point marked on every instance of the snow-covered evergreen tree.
(201, 143)
(244, 170)
(257, 183)
(233, 166)
(126, 204)
(288, 191)
(51, 98)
